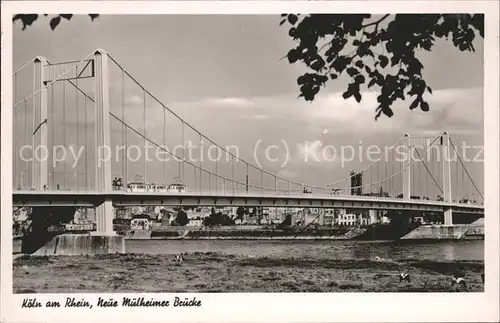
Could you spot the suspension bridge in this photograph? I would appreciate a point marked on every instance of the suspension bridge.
(67, 130)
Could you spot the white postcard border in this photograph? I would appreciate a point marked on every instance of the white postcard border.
(267, 307)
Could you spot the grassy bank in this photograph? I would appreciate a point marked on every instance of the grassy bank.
(213, 272)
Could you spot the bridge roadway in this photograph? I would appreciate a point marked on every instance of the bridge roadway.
(120, 198)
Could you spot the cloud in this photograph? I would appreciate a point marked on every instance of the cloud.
(308, 151)
(260, 117)
(134, 100)
(310, 129)
(229, 102)
(317, 151)
(455, 110)
(287, 173)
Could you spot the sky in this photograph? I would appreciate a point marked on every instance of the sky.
(226, 76)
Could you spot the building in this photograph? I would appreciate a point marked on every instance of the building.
(21, 214)
(272, 215)
(140, 224)
(195, 222)
(364, 219)
(349, 219)
(385, 220)
(138, 210)
(329, 217)
(356, 183)
(227, 210)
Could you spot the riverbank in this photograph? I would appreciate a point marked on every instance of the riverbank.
(411, 231)
(256, 233)
(219, 272)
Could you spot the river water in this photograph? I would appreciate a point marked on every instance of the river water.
(333, 249)
(421, 250)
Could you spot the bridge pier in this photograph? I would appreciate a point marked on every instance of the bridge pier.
(448, 216)
(39, 166)
(406, 170)
(104, 239)
(445, 143)
(104, 219)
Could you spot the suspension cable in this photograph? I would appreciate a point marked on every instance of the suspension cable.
(432, 177)
(144, 127)
(123, 136)
(55, 80)
(64, 130)
(183, 154)
(24, 65)
(77, 126)
(466, 171)
(25, 139)
(87, 181)
(16, 121)
(194, 129)
(164, 145)
(201, 160)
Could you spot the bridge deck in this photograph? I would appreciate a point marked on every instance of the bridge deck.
(119, 198)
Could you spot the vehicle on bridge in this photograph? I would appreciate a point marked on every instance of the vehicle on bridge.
(158, 188)
(137, 187)
(177, 188)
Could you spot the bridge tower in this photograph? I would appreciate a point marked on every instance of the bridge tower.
(104, 212)
(445, 144)
(406, 169)
(39, 166)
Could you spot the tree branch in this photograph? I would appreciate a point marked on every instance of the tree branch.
(377, 22)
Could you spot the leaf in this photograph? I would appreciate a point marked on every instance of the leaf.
(293, 55)
(93, 16)
(424, 106)
(387, 111)
(302, 79)
(357, 96)
(317, 65)
(339, 64)
(282, 22)
(396, 40)
(383, 61)
(352, 71)
(292, 19)
(360, 79)
(54, 22)
(347, 94)
(66, 16)
(27, 20)
(414, 104)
